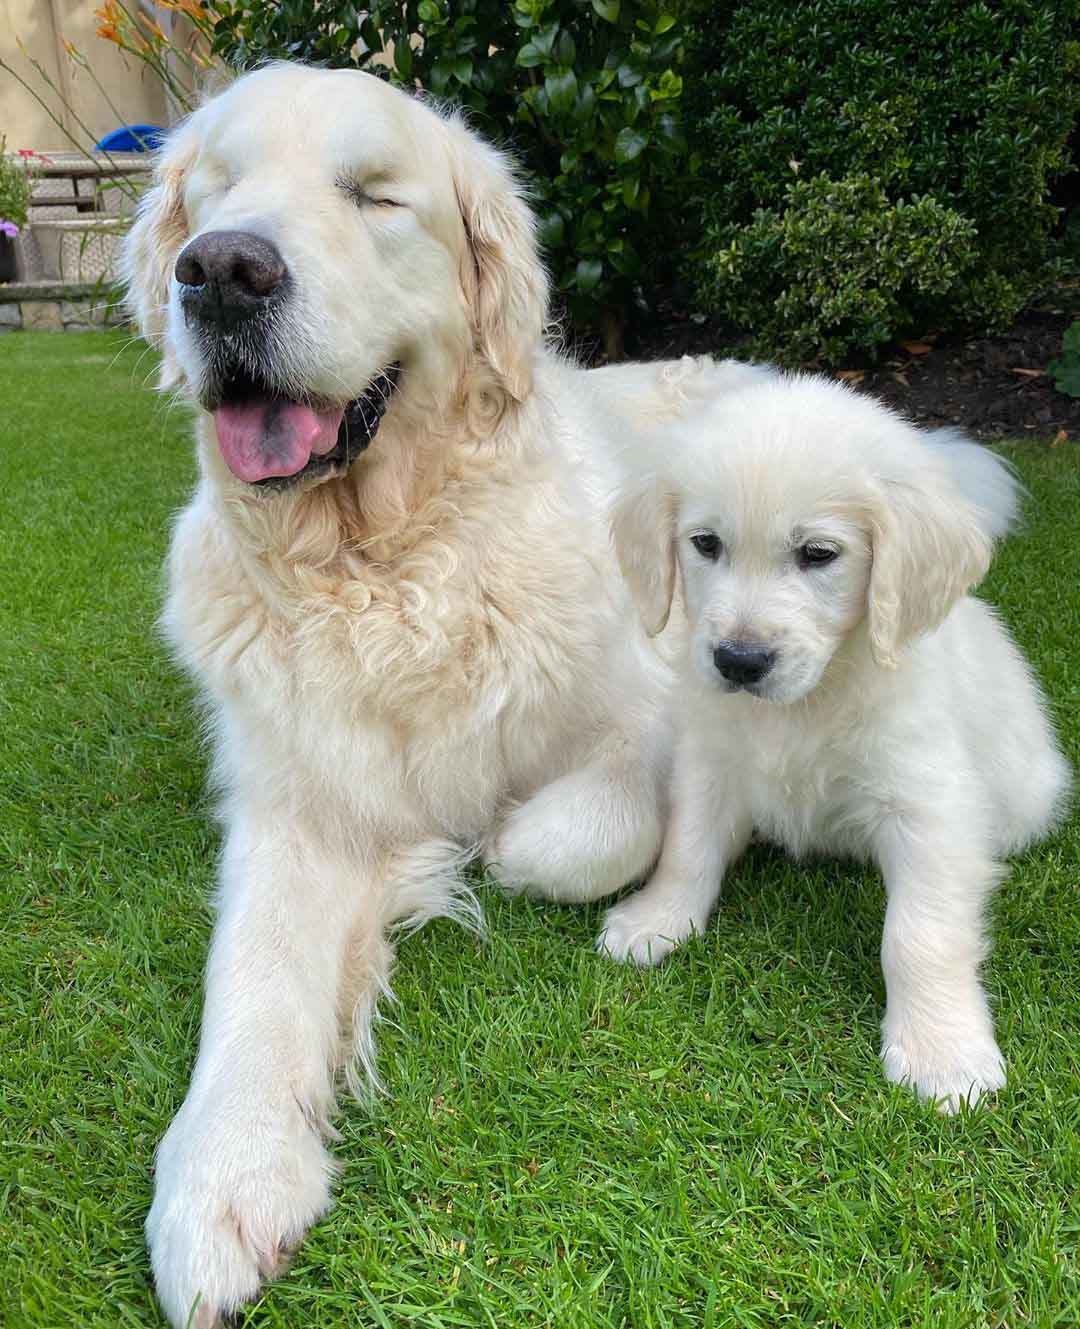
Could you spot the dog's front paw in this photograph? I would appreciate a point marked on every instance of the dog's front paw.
(642, 931)
(234, 1194)
(952, 1071)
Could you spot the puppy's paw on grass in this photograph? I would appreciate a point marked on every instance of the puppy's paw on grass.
(636, 931)
(950, 1077)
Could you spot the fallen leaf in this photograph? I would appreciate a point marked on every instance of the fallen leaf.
(1060, 437)
(1029, 373)
(901, 378)
(851, 375)
(917, 347)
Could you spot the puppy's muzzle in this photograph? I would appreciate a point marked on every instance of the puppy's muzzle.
(228, 277)
(742, 663)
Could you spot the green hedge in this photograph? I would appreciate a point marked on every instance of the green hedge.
(870, 169)
(585, 94)
(832, 173)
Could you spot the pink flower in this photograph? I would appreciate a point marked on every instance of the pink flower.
(9, 229)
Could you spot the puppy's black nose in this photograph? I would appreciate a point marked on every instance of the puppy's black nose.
(742, 662)
(228, 276)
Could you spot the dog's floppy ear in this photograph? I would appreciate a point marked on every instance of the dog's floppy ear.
(154, 241)
(930, 546)
(643, 528)
(503, 278)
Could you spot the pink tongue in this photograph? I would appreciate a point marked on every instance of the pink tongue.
(261, 439)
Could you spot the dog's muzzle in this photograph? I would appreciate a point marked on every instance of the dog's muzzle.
(227, 278)
(232, 286)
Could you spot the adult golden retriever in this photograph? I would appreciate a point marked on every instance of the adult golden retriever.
(395, 587)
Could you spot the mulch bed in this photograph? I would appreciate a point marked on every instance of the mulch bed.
(993, 387)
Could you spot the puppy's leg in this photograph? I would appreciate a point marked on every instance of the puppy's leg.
(709, 828)
(937, 1034)
(242, 1172)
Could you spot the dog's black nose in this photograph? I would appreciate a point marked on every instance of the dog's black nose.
(228, 276)
(742, 662)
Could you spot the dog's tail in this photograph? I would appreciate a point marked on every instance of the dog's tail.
(983, 477)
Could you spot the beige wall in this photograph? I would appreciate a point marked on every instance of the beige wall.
(42, 26)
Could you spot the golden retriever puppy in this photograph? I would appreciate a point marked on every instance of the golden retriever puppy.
(395, 587)
(840, 693)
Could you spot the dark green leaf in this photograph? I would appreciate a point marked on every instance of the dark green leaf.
(561, 89)
(588, 273)
(529, 56)
(551, 230)
(629, 145)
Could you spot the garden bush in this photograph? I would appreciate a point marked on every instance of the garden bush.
(1066, 371)
(869, 169)
(586, 95)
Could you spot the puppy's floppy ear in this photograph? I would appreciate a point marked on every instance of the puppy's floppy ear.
(643, 528)
(503, 278)
(152, 244)
(930, 546)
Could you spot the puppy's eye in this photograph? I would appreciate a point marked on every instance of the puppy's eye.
(707, 543)
(816, 556)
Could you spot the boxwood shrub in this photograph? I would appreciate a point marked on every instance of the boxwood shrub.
(870, 169)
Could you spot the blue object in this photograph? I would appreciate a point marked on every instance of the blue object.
(132, 138)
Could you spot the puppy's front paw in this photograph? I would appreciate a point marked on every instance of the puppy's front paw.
(234, 1194)
(643, 931)
(952, 1070)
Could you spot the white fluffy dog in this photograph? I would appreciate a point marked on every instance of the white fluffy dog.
(395, 587)
(840, 693)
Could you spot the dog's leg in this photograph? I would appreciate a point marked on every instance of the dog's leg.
(587, 834)
(937, 1034)
(599, 826)
(709, 828)
(242, 1172)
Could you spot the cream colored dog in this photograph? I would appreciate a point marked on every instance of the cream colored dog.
(395, 587)
(839, 692)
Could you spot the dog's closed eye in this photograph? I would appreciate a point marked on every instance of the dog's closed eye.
(358, 194)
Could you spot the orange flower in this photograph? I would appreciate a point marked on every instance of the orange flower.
(154, 26)
(110, 18)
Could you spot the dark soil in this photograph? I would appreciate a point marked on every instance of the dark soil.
(993, 387)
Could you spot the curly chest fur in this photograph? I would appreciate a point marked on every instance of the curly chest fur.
(473, 619)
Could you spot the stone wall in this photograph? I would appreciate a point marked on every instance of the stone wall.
(58, 308)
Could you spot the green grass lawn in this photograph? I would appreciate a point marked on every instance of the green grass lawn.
(565, 1143)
